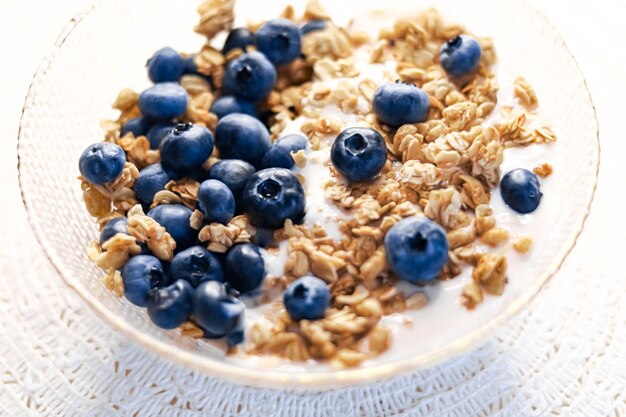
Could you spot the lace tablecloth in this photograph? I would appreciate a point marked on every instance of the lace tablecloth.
(565, 355)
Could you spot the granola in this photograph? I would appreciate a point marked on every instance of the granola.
(444, 168)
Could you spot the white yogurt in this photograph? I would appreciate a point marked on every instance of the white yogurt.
(413, 326)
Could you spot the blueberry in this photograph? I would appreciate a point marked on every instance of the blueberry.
(157, 133)
(398, 104)
(163, 101)
(312, 26)
(139, 126)
(218, 312)
(239, 136)
(238, 38)
(234, 173)
(359, 153)
(244, 267)
(460, 55)
(196, 265)
(113, 227)
(307, 298)
(417, 249)
(186, 148)
(272, 196)
(279, 154)
(140, 274)
(165, 65)
(175, 219)
(102, 162)
(226, 105)
(279, 40)
(216, 201)
(170, 306)
(151, 180)
(251, 76)
(520, 190)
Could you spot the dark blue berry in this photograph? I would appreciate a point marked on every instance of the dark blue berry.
(238, 38)
(272, 196)
(140, 274)
(417, 249)
(251, 76)
(239, 136)
(175, 219)
(165, 65)
(279, 154)
(196, 265)
(306, 298)
(312, 26)
(102, 162)
(186, 148)
(113, 227)
(163, 101)
(234, 173)
(460, 55)
(398, 104)
(190, 66)
(216, 201)
(157, 133)
(170, 306)
(244, 267)
(218, 312)
(151, 180)
(139, 126)
(520, 190)
(359, 153)
(279, 40)
(226, 105)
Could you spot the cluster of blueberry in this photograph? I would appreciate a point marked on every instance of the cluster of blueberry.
(254, 177)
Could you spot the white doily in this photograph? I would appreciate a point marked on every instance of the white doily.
(563, 356)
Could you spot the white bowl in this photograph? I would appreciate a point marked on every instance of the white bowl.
(104, 50)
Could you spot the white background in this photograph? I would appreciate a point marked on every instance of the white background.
(594, 31)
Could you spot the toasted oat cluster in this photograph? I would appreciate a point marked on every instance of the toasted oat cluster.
(441, 160)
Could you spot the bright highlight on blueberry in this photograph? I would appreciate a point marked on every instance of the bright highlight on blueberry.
(185, 148)
(251, 76)
(359, 153)
(238, 38)
(460, 55)
(216, 202)
(196, 265)
(163, 101)
(417, 249)
(520, 190)
(279, 154)
(279, 40)
(102, 162)
(165, 65)
(272, 196)
(244, 267)
(307, 298)
(169, 307)
(397, 104)
(239, 136)
(218, 312)
(140, 274)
